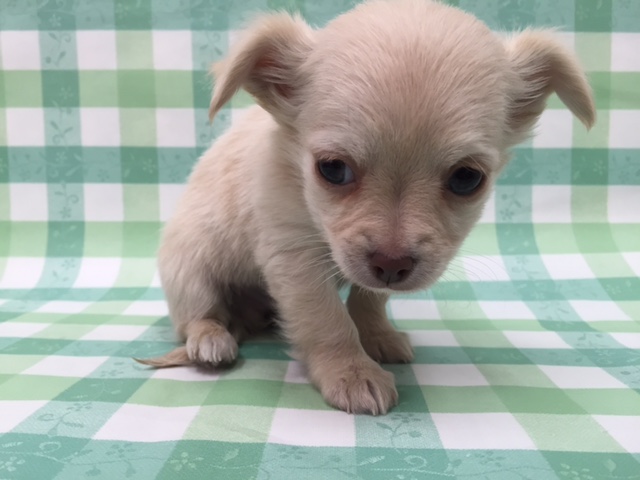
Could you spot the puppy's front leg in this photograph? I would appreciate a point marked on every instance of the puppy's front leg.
(380, 339)
(325, 337)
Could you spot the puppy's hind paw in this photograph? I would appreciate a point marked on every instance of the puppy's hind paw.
(211, 346)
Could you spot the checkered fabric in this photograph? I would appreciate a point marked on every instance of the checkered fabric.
(527, 351)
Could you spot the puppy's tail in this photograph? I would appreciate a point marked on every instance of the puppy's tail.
(176, 358)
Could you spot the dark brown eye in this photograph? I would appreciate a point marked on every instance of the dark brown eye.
(464, 181)
(336, 172)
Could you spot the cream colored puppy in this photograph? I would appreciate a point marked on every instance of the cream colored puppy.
(369, 158)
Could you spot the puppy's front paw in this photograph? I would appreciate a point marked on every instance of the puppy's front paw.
(388, 347)
(212, 346)
(361, 386)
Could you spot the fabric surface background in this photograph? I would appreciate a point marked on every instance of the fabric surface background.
(527, 351)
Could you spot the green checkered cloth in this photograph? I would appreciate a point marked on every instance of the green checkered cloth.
(527, 351)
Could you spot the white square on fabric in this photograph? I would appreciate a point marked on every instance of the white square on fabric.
(96, 49)
(489, 211)
(65, 366)
(580, 377)
(103, 202)
(175, 127)
(169, 196)
(408, 309)
(485, 268)
(629, 340)
(296, 373)
(20, 50)
(155, 281)
(449, 375)
(524, 339)
(28, 202)
(623, 428)
(567, 267)
(554, 129)
(477, 431)
(22, 272)
(623, 203)
(61, 306)
(624, 52)
(143, 423)
(551, 203)
(25, 127)
(100, 127)
(432, 338)
(623, 128)
(172, 50)
(185, 374)
(21, 329)
(148, 308)
(507, 310)
(98, 272)
(313, 428)
(15, 412)
(115, 332)
(633, 260)
(596, 310)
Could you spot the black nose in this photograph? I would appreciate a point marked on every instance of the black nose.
(390, 270)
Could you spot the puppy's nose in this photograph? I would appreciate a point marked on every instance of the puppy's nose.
(390, 270)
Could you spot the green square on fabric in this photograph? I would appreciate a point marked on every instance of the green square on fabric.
(174, 89)
(593, 16)
(625, 86)
(607, 401)
(103, 239)
(462, 399)
(559, 432)
(140, 239)
(60, 88)
(588, 204)
(172, 393)
(116, 390)
(597, 137)
(224, 423)
(262, 393)
(66, 239)
(547, 235)
(138, 127)
(28, 239)
(197, 459)
(35, 387)
(98, 88)
(136, 89)
(13, 364)
(594, 50)
(589, 166)
(301, 396)
(21, 88)
(134, 50)
(141, 202)
(537, 400)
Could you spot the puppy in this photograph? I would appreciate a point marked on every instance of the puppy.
(369, 157)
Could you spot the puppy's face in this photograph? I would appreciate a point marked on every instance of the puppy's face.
(405, 134)
(404, 112)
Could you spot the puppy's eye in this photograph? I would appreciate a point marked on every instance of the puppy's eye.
(336, 172)
(465, 181)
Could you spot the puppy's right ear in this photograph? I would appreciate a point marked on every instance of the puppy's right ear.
(266, 63)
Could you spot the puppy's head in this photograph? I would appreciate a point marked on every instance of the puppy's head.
(403, 112)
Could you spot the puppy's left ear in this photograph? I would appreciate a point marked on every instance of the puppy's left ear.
(543, 66)
(267, 64)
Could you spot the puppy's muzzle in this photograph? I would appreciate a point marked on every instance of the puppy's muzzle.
(390, 270)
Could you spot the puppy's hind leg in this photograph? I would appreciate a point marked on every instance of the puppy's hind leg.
(199, 310)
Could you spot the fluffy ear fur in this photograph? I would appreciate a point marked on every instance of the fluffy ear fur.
(266, 63)
(544, 66)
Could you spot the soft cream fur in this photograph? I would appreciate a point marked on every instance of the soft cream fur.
(406, 91)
